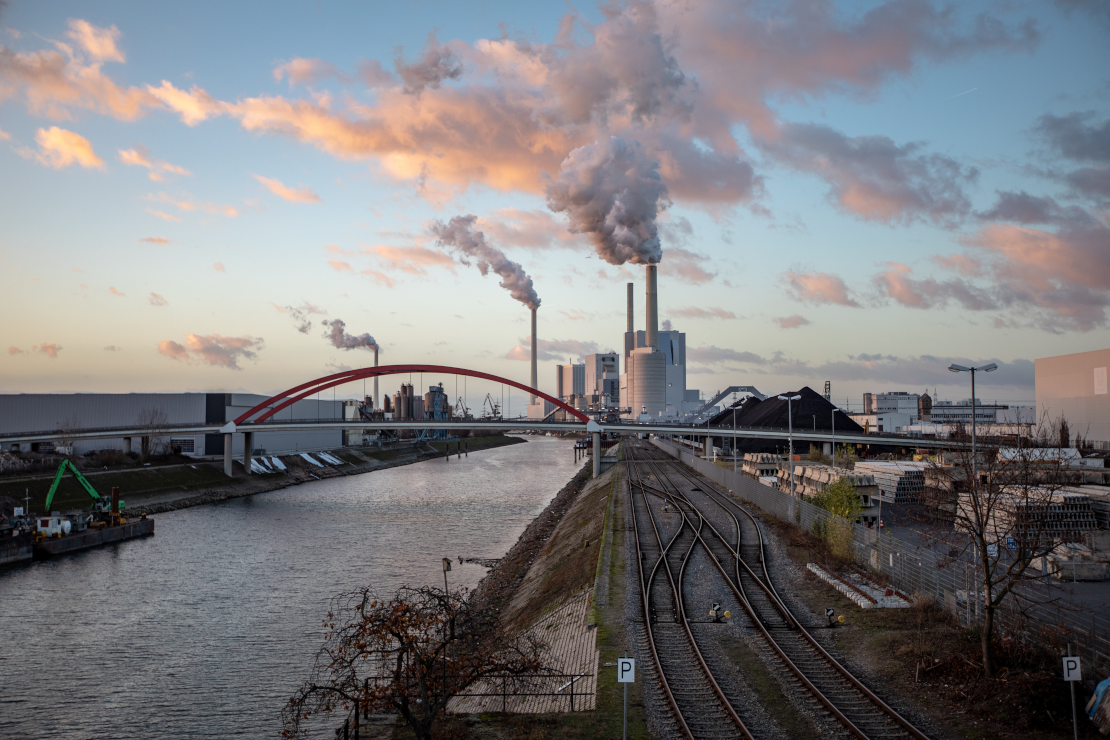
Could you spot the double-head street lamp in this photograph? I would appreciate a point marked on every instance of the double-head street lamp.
(985, 369)
(790, 422)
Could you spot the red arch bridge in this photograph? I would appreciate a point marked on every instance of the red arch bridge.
(264, 418)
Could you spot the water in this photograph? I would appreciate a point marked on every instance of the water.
(205, 629)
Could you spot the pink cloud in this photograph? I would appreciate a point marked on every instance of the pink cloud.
(962, 264)
(98, 43)
(188, 205)
(298, 195)
(818, 288)
(378, 277)
(49, 349)
(139, 157)
(302, 71)
(15, 351)
(155, 239)
(340, 266)
(413, 260)
(115, 292)
(791, 322)
(162, 215)
(212, 349)
(219, 267)
(193, 107)
(156, 300)
(60, 148)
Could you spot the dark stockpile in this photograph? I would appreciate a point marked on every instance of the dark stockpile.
(810, 412)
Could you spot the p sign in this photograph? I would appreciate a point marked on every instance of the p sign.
(1072, 671)
(626, 670)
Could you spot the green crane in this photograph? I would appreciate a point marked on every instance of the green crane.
(67, 463)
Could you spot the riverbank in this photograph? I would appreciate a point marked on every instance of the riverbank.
(154, 490)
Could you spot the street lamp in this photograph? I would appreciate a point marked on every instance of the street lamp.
(985, 369)
(790, 422)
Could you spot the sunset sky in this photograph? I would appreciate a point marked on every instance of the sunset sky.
(860, 192)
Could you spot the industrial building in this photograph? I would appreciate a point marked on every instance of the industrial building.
(26, 412)
(915, 406)
(1074, 387)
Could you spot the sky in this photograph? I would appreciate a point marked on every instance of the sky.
(216, 196)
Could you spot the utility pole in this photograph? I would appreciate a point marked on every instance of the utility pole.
(790, 422)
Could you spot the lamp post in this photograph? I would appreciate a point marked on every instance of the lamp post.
(790, 422)
(734, 439)
(985, 369)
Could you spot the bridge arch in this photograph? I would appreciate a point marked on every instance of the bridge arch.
(288, 397)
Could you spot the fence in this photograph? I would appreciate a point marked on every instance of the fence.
(919, 570)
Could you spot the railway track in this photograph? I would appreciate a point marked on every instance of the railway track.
(707, 518)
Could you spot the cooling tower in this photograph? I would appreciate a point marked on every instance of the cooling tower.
(535, 375)
(647, 382)
(652, 338)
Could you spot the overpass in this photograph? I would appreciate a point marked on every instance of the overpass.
(262, 418)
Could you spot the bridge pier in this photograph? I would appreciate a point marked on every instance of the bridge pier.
(227, 455)
(597, 454)
(707, 447)
(127, 445)
(248, 445)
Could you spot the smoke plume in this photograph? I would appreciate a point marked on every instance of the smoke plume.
(459, 234)
(340, 339)
(612, 191)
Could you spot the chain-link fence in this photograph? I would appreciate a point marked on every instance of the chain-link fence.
(920, 570)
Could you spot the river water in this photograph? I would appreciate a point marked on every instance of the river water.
(205, 629)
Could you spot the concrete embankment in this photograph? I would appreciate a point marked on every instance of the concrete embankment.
(157, 489)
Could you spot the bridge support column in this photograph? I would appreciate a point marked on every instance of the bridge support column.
(227, 455)
(597, 454)
(707, 446)
(248, 449)
(127, 445)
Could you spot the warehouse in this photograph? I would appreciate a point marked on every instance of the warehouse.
(1074, 387)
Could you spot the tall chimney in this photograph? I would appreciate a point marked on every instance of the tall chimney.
(652, 338)
(631, 323)
(374, 401)
(535, 372)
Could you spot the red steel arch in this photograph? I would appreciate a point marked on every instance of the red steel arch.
(330, 381)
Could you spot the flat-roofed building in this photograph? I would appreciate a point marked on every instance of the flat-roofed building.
(1074, 387)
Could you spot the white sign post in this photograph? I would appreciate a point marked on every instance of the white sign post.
(1073, 672)
(626, 674)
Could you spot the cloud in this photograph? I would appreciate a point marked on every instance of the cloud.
(687, 265)
(818, 288)
(1077, 137)
(112, 348)
(115, 292)
(925, 370)
(791, 322)
(698, 312)
(162, 215)
(156, 300)
(139, 157)
(300, 314)
(340, 266)
(193, 107)
(612, 191)
(5, 136)
(15, 351)
(60, 148)
(49, 349)
(436, 63)
(1024, 208)
(960, 263)
(459, 234)
(874, 179)
(219, 267)
(552, 349)
(378, 277)
(189, 206)
(301, 195)
(213, 349)
(155, 239)
(413, 260)
(340, 339)
(897, 283)
(301, 71)
(530, 229)
(98, 43)
(717, 355)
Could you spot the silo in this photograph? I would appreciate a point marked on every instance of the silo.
(647, 369)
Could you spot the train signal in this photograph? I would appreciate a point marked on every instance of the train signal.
(829, 615)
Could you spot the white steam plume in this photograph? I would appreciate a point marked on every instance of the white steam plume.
(459, 234)
(340, 339)
(612, 191)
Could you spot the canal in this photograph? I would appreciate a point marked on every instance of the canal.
(205, 629)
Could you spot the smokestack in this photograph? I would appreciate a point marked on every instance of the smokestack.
(535, 375)
(631, 324)
(374, 402)
(652, 338)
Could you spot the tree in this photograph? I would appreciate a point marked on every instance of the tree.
(409, 654)
(840, 499)
(1003, 505)
(154, 420)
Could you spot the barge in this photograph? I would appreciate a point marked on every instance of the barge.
(93, 537)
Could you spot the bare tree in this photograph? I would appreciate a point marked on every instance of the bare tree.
(154, 420)
(1006, 510)
(409, 654)
(66, 436)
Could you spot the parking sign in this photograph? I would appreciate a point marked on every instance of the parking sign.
(1072, 669)
(626, 670)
